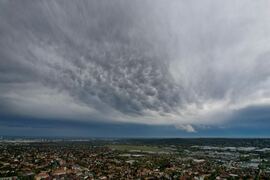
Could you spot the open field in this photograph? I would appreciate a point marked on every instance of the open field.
(124, 147)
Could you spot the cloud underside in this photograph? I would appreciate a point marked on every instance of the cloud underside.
(178, 63)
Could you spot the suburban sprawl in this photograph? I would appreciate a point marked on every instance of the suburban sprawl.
(41, 158)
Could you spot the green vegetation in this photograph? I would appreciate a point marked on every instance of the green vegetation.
(125, 147)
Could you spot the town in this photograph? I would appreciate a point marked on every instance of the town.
(135, 159)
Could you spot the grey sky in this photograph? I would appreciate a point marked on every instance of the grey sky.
(181, 63)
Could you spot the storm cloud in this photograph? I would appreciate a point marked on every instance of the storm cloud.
(182, 63)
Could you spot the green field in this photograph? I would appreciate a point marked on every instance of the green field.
(124, 147)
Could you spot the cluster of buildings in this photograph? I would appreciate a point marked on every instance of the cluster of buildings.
(84, 160)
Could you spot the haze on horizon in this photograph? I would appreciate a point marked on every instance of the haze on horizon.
(135, 68)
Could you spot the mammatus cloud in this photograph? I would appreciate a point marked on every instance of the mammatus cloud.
(179, 63)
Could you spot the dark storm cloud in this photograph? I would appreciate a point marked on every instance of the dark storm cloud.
(94, 50)
(154, 62)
